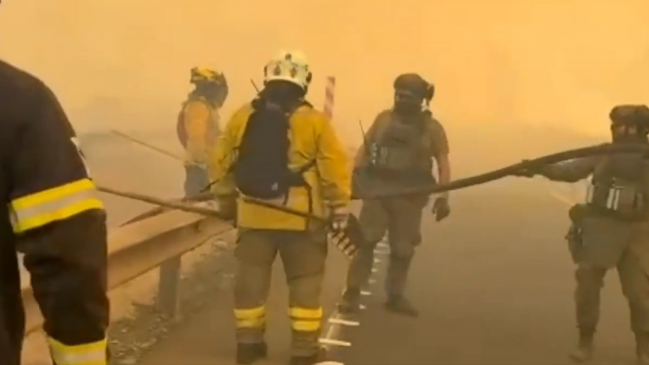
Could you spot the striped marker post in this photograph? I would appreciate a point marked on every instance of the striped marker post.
(330, 89)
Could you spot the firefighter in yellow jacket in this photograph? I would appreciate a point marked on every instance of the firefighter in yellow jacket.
(198, 124)
(280, 149)
(56, 220)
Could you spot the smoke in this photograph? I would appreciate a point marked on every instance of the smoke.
(496, 64)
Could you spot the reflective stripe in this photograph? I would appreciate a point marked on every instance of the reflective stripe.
(87, 354)
(305, 313)
(305, 325)
(251, 318)
(38, 209)
(305, 319)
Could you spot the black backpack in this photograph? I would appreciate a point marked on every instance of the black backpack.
(262, 170)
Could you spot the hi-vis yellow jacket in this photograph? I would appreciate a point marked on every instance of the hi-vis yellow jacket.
(312, 139)
(199, 122)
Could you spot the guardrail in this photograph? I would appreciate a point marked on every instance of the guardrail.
(143, 246)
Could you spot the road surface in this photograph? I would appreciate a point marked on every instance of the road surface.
(493, 283)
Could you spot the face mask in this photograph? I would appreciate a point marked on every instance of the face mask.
(404, 108)
(407, 104)
(622, 134)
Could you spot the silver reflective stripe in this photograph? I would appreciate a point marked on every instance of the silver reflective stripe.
(27, 213)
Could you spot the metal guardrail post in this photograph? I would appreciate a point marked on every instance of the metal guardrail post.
(169, 287)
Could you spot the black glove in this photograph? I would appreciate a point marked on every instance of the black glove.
(525, 172)
(441, 209)
(227, 207)
(350, 239)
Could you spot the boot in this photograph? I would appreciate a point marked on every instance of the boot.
(318, 357)
(351, 301)
(584, 350)
(642, 348)
(248, 353)
(401, 305)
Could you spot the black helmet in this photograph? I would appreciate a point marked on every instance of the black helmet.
(637, 115)
(414, 84)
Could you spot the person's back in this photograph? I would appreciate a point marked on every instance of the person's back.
(281, 150)
(56, 220)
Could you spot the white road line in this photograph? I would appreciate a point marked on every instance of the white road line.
(344, 322)
(371, 281)
(382, 245)
(365, 292)
(375, 270)
(332, 342)
(331, 329)
(377, 261)
(362, 307)
(382, 252)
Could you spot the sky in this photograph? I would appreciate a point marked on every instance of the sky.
(553, 63)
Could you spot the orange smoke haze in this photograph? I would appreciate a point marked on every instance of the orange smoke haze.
(496, 64)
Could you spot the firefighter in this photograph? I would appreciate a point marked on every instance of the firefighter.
(399, 151)
(198, 124)
(305, 169)
(56, 220)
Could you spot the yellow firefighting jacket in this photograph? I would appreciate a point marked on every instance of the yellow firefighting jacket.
(54, 217)
(200, 121)
(312, 139)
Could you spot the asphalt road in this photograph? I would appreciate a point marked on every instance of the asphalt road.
(493, 284)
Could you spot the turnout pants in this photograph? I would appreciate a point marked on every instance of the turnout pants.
(401, 219)
(634, 279)
(303, 256)
(196, 179)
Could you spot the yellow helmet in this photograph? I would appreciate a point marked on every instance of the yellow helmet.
(205, 74)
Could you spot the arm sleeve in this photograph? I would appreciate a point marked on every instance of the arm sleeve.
(333, 164)
(438, 139)
(571, 171)
(223, 156)
(60, 226)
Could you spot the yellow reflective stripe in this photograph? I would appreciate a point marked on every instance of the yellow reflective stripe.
(305, 313)
(87, 354)
(38, 209)
(251, 318)
(305, 319)
(305, 326)
(251, 323)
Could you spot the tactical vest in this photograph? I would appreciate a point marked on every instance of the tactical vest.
(401, 150)
(620, 187)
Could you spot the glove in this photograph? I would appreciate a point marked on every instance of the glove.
(339, 218)
(525, 172)
(441, 209)
(349, 240)
(227, 206)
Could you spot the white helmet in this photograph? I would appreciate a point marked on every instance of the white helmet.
(291, 66)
